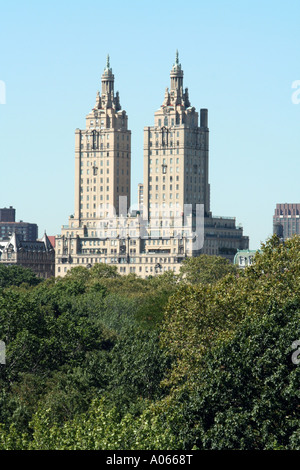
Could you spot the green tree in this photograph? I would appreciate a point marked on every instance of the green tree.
(198, 316)
(247, 395)
(205, 269)
(136, 367)
(17, 275)
(101, 270)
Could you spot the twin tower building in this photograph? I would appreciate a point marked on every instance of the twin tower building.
(172, 219)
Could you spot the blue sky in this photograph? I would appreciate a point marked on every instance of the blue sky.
(240, 59)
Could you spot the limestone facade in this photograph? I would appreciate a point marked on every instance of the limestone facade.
(173, 220)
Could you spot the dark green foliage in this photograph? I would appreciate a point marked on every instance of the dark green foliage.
(202, 360)
(136, 367)
(16, 276)
(247, 396)
(206, 269)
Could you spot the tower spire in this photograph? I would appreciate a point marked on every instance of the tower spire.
(107, 69)
(177, 65)
(107, 91)
(176, 74)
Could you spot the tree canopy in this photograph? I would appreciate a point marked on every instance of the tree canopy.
(202, 360)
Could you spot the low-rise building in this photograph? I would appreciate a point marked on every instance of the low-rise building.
(244, 258)
(286, 220)
(38, 255)
(8, 226)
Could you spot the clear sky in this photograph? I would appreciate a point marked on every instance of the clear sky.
(240, 59)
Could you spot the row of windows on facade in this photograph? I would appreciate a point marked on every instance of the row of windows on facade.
(292, 223)
(163, 143)
(188, 179)
(107, 155)
(87, 197)
(95, 171)
(244, 261)
(191, 164)
(190, 136)
(94, 188)
(103, 154)
(102, 251)
(150, 242)
(166, 152)
(132, 269)
(166, 143)
(157, 134)
(26, 256)
(170, 223)
(39, 267)
(170, 161)
(288, 218)
(163, 187)
(15, 227)
(101, 182)
(164, 169)
(163, 178)
(102, 198)
(163, 213)
(101, 188)
(170, 203)
(104, 224)
(146, 244)
(132, 251)
(109, 232)
(152, 215)
(106, 134)
(169, 213)
(125, 260)
(166, 121)
(161, 239)
(89, 163)
(101, 146)
(179, 119)
(82, 172)
(164, 137)
(149, 269)
(104, 125)
(95, 215)
(290, 226)
(88, 215)
(163, 196)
